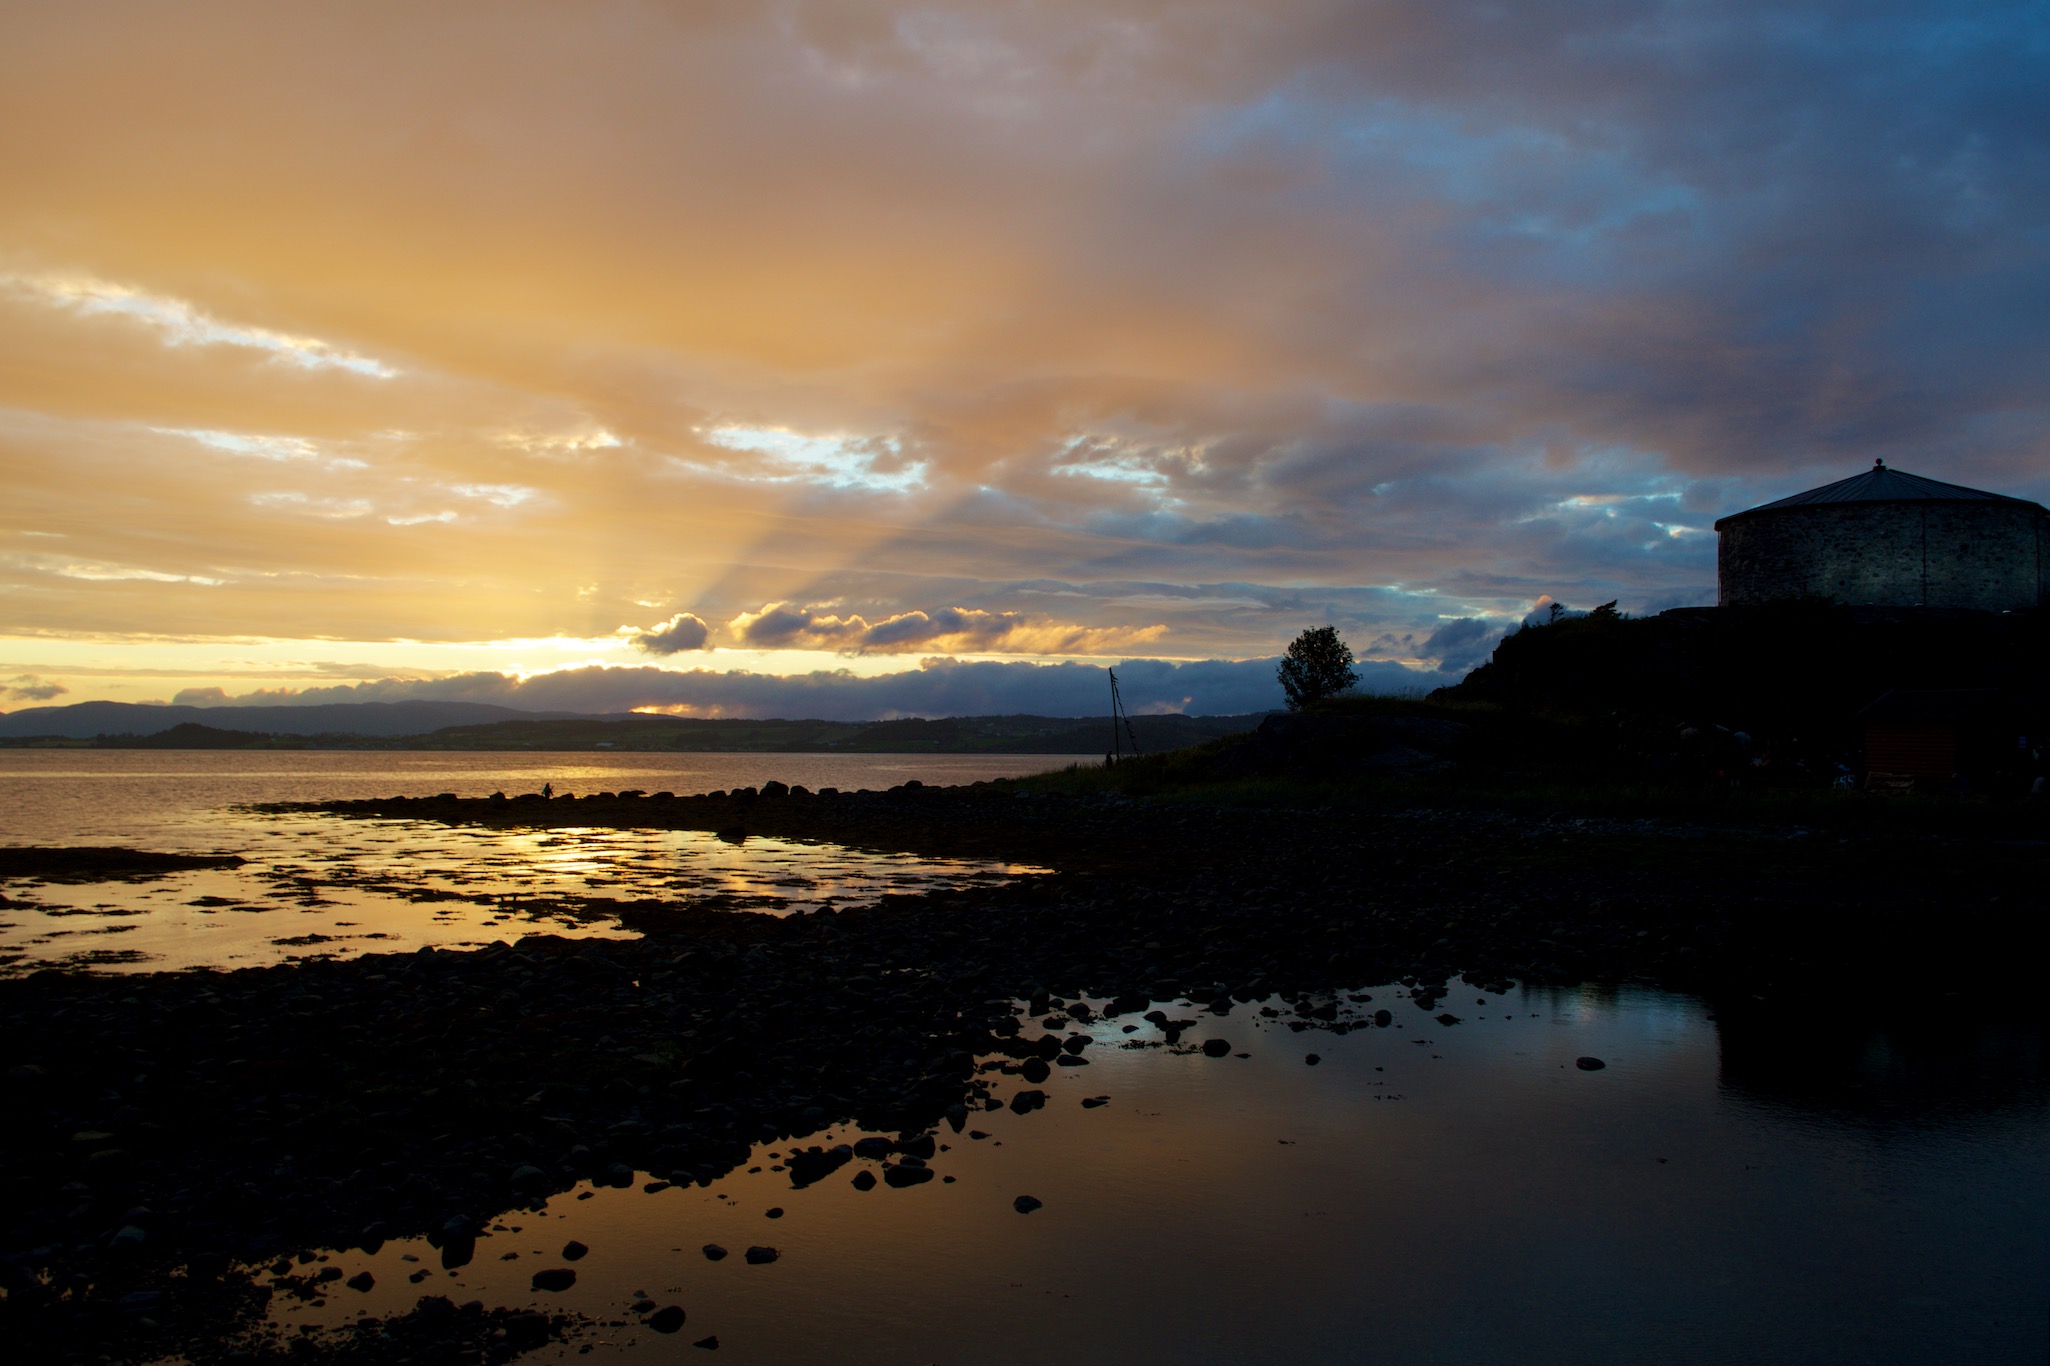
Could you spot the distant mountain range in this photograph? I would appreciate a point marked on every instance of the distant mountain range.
(84, 720)
(478, 726)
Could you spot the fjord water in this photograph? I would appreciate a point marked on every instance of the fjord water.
(322, 885)
(1851, 1180)
(1740, 1189)
(176, 797)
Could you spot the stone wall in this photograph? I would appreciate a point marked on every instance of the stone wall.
(1987, 556)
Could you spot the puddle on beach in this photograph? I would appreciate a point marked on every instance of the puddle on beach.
(325, 887)
(1427, 1191)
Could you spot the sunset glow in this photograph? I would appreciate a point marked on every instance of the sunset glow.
(611, 356)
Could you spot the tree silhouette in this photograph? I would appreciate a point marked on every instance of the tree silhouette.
(1316, 665)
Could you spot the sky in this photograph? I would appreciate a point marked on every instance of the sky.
(871, 359)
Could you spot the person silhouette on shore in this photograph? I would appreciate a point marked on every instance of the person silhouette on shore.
(547, 791)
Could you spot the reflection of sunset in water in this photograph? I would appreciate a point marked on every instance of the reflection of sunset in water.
(1461, 1191)
(317, 885)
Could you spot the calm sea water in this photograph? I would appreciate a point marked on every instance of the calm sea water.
(326, 886)
(1859, 1182)
(1850, 1193)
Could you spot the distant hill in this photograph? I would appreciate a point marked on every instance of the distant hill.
(946, 735)
(404, 725)
(85, 720)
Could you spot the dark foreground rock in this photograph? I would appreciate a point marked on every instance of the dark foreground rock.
(101, 863)
(160, 1131)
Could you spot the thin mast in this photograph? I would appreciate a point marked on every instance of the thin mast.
(1120, 717)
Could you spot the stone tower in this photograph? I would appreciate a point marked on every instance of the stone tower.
(1889, 538)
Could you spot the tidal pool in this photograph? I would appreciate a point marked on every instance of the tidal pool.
(328, 887)
(1760, 1188)
(324, 886)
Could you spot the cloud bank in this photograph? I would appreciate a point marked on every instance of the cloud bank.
(782, 625)
(937, 687)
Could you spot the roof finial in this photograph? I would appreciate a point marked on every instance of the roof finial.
(1879, 464)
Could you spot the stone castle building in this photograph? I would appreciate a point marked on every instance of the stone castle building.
(1892, 539)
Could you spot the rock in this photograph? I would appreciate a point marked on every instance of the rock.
(1036, 1070)
(1384, 1018)
(761, 1256)
(1311, 1059)
(873, 1147)
(1216, 1048)
(457, 1252)
(1025, 1204)
(710, 1344)
(667, 1319)
(714, 1253)
(813, 1164)
(1025, 1102)
(573, 1251)
(528, 1176)
(904, 1174)
(1589, 1064)
(555, 1278)
(525, 1326)
(864, 1181)
(773, 1212)
(361, 1282)
(1448, 1019)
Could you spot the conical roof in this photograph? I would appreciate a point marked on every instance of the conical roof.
(1881, 485)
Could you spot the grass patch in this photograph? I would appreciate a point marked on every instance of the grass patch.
(1539, 767)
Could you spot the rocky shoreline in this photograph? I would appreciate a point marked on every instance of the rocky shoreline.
(162, 1133)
